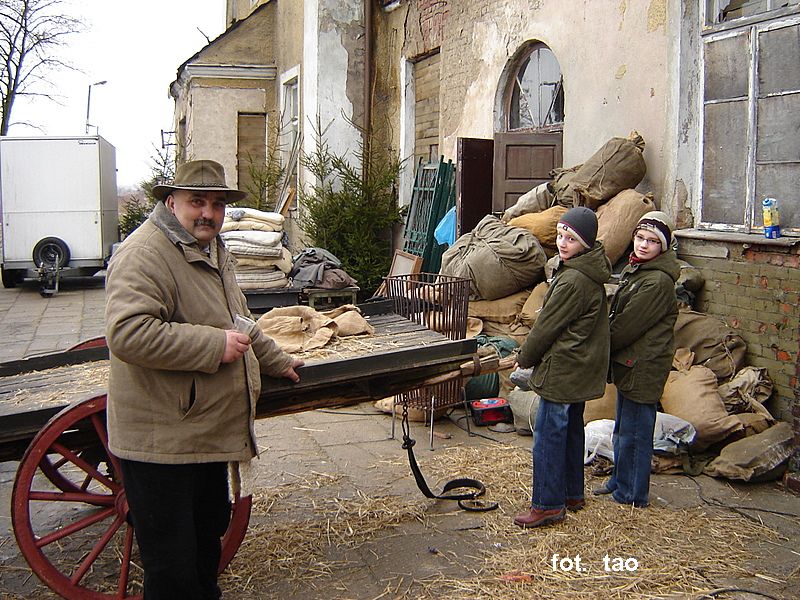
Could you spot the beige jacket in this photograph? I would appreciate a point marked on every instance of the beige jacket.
(167, 305)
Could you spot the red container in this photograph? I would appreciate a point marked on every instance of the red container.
(490, 411)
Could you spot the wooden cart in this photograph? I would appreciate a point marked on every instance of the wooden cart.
(68, 493)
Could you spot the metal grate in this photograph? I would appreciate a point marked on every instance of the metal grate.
(438, 302)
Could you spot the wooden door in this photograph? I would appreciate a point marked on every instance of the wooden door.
(473, 182)
(521, 162)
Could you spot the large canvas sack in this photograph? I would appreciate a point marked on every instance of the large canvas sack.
(501, 310)
(541, 224)
(538, 199)
(604, 407)
(497, 258)
(560, 185)
(761, 457)
(617, 218)
(533, 305)
(715, 345)
(618, 165)
(691, 394)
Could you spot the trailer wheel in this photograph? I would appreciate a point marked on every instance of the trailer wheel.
(51, 251)
(75, 533)
(11, 277)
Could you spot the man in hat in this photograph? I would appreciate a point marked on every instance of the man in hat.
(183, 382)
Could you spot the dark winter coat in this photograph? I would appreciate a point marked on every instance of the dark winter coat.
(642, 320)
(569, 343)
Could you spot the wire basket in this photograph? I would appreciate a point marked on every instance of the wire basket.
(438, 302)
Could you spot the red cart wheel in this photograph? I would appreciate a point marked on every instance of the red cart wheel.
(75, 533)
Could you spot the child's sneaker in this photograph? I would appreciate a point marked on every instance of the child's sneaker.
(522, 378)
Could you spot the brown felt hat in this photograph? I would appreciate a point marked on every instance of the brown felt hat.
(201, 175)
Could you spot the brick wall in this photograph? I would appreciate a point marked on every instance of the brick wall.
(755, 289)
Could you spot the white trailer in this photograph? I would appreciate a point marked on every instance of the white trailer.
(59, 207)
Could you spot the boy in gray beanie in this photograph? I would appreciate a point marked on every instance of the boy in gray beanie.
(568, 350)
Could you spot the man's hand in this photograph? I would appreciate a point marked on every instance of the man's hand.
(290, 372)
(236, 344)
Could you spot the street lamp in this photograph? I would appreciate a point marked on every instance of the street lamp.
(89, 101)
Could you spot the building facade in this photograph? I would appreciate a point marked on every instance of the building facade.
(712, 86)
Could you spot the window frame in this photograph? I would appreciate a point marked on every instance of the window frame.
(524, 54)
(711, 9)
(752, 27)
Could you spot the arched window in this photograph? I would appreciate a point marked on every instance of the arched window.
(535, 92)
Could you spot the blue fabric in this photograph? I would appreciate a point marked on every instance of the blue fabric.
(633, 451)
(557, 454)
(445, 232)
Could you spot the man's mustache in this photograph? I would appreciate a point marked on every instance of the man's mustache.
(204, 222)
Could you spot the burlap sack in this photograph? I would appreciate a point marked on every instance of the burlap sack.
(538, 199)
(714, 344)
(691, 394)
(602, 408)
(617, 218)
(501, 310)
(530, 310)
(516, 331)
(297, 328)
(618, 165)
(498, 259)
(761, 457)
(560, 185)
(416, 415)
(747, 391)
(754, 423)
(524, 406)
(542, 224)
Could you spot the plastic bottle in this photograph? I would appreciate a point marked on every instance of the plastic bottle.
(772, 218)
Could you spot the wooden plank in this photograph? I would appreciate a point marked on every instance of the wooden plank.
(50, 361)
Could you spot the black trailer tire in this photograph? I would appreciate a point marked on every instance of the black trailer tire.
(51, 251)
(11, 277)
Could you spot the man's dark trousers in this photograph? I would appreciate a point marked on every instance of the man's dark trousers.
(179, 512)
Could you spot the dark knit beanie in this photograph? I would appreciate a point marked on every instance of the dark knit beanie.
(580, 222)
(658, 223)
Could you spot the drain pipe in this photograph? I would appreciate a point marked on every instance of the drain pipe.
(368, 33)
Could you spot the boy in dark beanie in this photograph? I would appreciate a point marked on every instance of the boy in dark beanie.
(643, 314)
(568, 350)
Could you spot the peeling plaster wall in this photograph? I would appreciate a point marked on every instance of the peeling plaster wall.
(613, 55)
(334, 66)
(214, 115)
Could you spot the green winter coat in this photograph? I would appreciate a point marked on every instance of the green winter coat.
(568, 345)
(643, 314)
(168, 304)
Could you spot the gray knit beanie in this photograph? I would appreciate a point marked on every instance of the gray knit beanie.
(580, 222)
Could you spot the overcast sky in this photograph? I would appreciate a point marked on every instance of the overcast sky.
(137, 48)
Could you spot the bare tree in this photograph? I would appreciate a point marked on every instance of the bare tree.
(31, 34)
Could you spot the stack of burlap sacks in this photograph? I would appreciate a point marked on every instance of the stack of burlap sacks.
(509, 260)
(255, 239)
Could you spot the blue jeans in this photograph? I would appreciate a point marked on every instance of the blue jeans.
(557, 454)
(633, 451)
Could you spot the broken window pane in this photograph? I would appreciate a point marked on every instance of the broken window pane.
(537, 97)
(719, 11)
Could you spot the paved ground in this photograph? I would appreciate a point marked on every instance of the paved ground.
(338, 515)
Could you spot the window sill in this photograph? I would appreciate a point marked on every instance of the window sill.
(746, 239)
